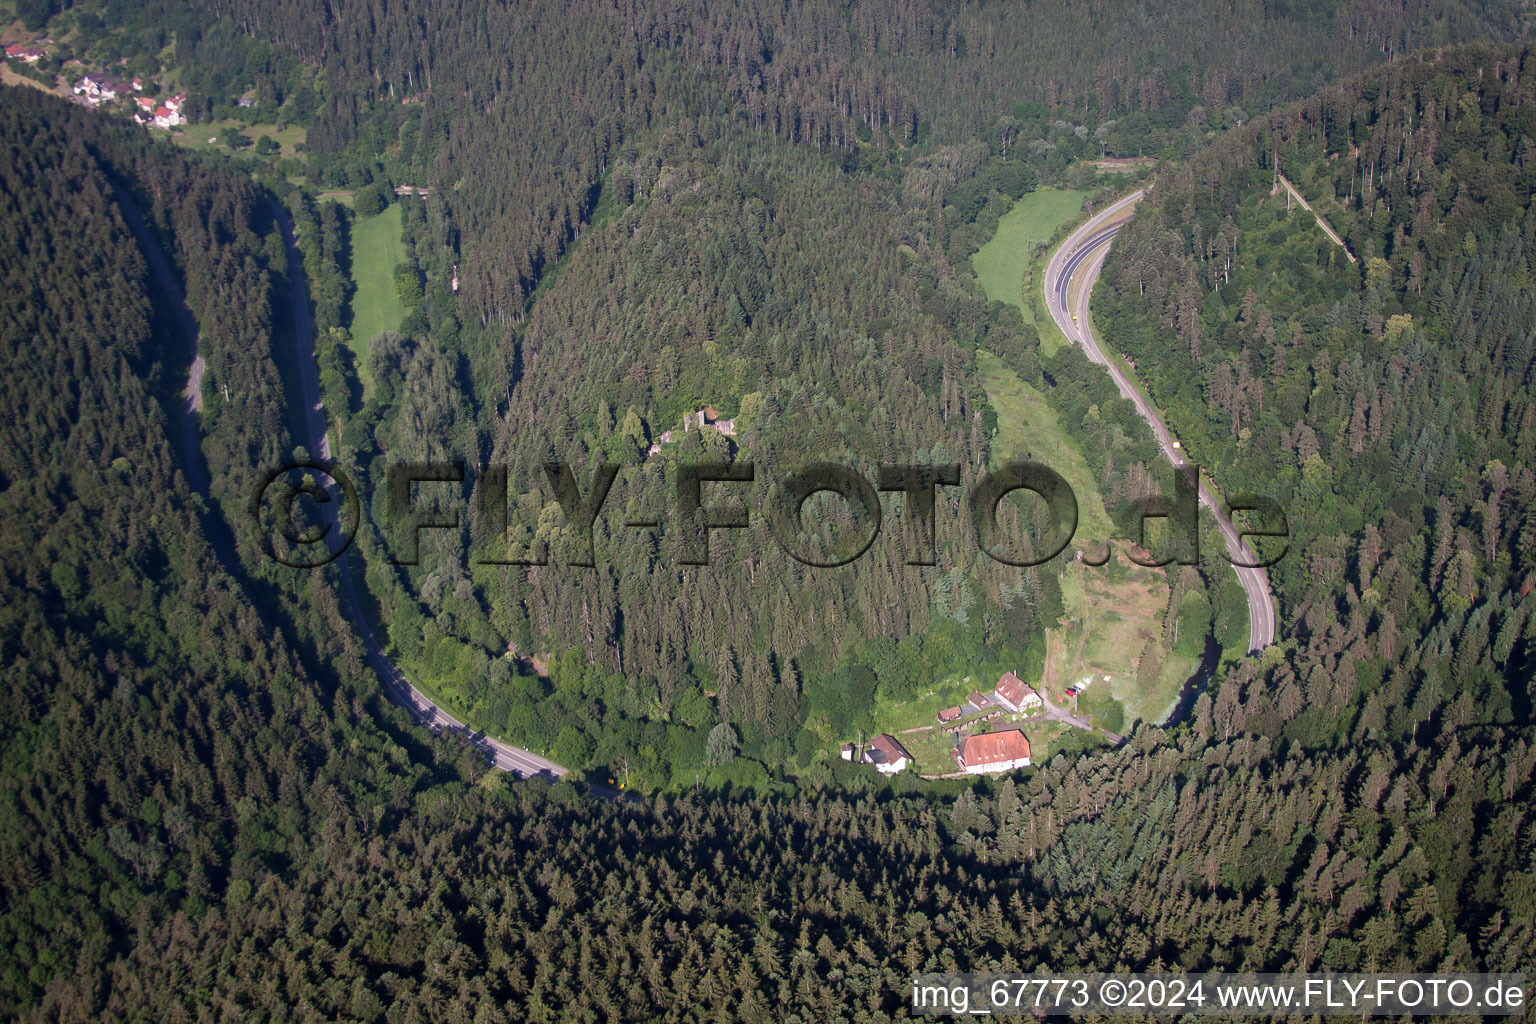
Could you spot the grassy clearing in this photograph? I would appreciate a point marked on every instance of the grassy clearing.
(1176, 672)
(922, 710)
(10, 77)
(1016, 254)
(931, 751)
(1027, 424)
(1044, 737)
(209, 135)
(1112, 612)
(288, 140)
(376, 251)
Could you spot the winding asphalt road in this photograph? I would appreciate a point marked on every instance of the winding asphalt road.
(502, 755)
(1069, 279)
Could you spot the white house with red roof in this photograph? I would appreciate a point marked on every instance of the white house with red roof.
(1015, 694)
(993, 752)
(887, 755)
(24, 53)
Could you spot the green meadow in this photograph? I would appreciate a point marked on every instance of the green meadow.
(376, 251)
(1026, 422)
(1017, 248)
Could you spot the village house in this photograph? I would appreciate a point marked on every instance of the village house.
(950, 714)
(100, 88)
(165, 117)
(24, 53)
(887, 755)
(993, 752)
(1015, 694)
(979, 701)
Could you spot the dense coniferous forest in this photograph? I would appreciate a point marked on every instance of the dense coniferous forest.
(633, 215)
(647, 216)
(517, 111)
(1387, 400)
(210, 808)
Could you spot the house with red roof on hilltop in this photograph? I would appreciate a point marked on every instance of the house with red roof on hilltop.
(993, 752)
(24, 53)
(1015, 694)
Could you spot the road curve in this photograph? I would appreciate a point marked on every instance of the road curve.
(1069, 279)
(502, 755)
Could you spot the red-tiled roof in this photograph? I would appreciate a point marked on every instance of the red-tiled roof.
(949, 714)
(884, 749)
(1013, 689)
(979, 700)
(994, 747)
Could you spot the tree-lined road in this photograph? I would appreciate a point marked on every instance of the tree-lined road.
(503, 755)
(1069, 279)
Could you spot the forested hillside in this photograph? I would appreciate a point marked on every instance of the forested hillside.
(635, 213)
(489, 904)
(688, 224)
(209, 808)
(520, 109)
(1386, 402)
